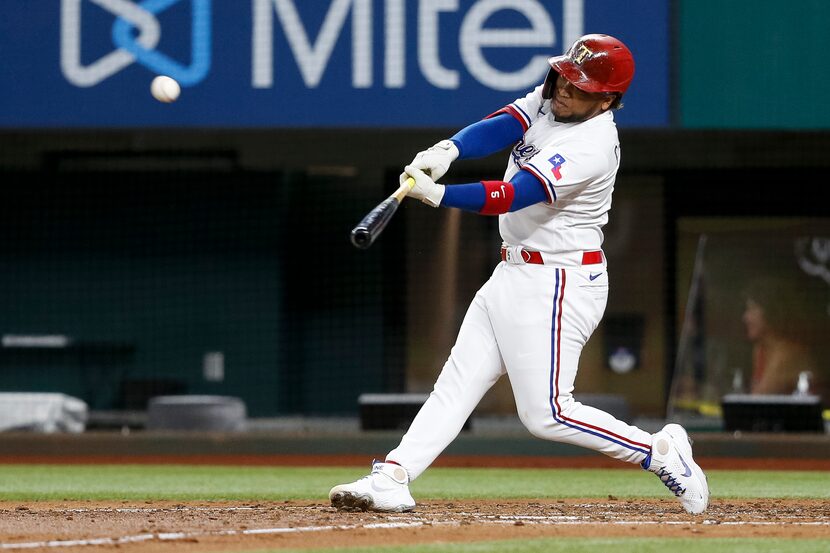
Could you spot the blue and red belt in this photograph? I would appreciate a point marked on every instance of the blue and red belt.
(534, 257)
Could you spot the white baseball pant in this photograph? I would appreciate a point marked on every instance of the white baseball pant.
(530, 321)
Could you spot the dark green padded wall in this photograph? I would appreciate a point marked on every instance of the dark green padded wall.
(754, 64)
(148, 272)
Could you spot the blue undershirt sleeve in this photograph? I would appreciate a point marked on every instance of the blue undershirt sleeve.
(469, 197)
(527, 190)
(487, 136)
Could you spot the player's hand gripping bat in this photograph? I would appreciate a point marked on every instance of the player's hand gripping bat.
(368, 229)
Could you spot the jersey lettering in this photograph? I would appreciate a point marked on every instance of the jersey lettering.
(523, 152)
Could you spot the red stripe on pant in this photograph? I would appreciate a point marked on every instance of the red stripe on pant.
(557, 409)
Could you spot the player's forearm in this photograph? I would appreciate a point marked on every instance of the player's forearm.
(487, 136)
(495, 197)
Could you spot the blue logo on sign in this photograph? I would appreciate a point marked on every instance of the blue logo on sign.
(158, 62)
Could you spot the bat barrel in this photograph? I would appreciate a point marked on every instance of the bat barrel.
(375, 221)
(373, 224)
(361, 237)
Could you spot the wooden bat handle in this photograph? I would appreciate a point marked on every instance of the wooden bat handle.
(400, 193)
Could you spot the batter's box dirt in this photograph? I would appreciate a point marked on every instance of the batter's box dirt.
(219, 526)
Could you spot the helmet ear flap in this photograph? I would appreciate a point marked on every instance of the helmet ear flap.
(550, 83)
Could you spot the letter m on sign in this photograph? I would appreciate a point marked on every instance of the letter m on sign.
(312, 54)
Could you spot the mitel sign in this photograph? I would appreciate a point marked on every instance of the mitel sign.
(306, 63)
(474, 37)
(135, 34)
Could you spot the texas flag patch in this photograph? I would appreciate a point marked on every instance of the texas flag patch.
(556, 161)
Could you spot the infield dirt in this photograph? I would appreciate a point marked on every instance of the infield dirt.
(237, 526)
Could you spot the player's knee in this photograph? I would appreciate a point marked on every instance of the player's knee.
(547, 428)
(538, 429)
(539, 424)
(546, 423)
(564, 403)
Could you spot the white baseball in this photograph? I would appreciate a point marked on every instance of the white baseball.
(165, 89)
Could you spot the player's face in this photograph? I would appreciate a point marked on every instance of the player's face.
(754, 321)
(572, 105)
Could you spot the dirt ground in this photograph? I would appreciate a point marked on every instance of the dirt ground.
(237, 526)
(158, 526)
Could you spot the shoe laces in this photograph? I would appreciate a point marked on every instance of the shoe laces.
(375, 470)
(670, 482)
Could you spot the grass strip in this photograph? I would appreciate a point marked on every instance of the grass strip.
(192, 483)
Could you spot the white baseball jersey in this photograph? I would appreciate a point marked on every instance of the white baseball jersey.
(532, 318)
(576, 163)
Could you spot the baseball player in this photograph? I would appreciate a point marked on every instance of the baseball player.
(533, 316)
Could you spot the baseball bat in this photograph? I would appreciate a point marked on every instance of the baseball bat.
(368, 229)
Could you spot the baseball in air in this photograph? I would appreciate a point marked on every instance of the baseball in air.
(165, 89)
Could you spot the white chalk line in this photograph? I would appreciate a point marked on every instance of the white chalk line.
(175, 536)
(493, 519)
(158, 509)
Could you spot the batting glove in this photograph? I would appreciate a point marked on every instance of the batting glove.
(435, 160)
(425, 189)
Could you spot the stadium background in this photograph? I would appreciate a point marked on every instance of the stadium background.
(202, 247)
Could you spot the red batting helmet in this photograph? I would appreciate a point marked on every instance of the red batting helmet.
(594, 63)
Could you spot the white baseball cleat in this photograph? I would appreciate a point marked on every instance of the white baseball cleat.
(671, 460)
(386, 490)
